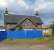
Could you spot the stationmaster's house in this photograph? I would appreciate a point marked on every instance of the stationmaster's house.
(13, 22)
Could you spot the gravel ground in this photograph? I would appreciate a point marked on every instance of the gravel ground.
(26, 47)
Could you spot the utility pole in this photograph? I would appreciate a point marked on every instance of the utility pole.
(1, 17)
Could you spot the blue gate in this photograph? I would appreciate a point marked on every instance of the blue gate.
(3, 35)
(24, 34)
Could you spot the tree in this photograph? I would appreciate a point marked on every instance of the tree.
(52, 26)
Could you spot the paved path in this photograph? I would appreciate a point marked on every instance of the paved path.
(26, 47)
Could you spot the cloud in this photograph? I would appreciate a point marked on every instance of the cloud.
(44, 5)
(20, 7)
(3, 3)
(29, 2)
(49, 0)
(29, 7)
(21, 3)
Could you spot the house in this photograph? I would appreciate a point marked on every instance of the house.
(22, 21)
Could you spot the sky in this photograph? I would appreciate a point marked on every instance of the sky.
(29, 7)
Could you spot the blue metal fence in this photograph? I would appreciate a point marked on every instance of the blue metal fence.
(22, 34)
(3, 35)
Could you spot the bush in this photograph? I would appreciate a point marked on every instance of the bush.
(19, 28)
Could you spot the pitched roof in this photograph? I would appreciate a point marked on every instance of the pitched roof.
(19, 18)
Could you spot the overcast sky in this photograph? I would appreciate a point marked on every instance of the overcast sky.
(29, 7)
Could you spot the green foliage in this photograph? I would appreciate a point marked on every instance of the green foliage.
(19, 28)
(52, 26)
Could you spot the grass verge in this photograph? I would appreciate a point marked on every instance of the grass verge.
(26, 41)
